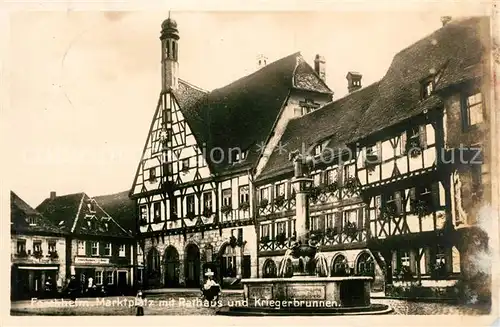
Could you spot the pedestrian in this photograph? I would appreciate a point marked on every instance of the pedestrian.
(90, 284)
(73, 287)
(139, 303)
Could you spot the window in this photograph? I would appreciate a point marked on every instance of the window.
(265, 230)
(422, 199)
(107, 249)
(427, 88)
(281, 228)
(152, 174)
(473, 110)
(190, 204)
(350, 217)
(81, 247)
(52, 246)
(121, 250)
(21, 246)
(185, 165)
(348, 172)
(317, 223)
(108, 275)
(94, 248)
(37, 246)
(207, 202)
(32, 220)
(308, 106)
(98, 277)
(226, 197)
(330, 220)
(264, 193)
(318, 149)
(416, 140)
(393, 202)
(317, 179)
(173, 208)
(157, 211)
(280, 189)
(372, 154)
(331, 176)
(209, 253)
(405, 259)
(144, 213)
(244, 194)
(240, 156)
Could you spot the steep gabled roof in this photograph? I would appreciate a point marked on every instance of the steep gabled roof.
(334, 122)
(20, 211)
(72, 214)
(453, 54)
(241, 114)
(121, 208)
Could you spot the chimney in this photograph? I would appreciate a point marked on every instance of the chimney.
(445, 20)
(320, 67)
(53, 195)
(353, 81)
(261, 61)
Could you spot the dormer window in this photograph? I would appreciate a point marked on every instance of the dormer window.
(32, 220)
(240, 156)
(308, 106)
(91, 206)
(427, 88)
(318, 149)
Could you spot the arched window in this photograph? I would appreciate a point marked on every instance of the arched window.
(340, 266)
(269, 269)
(153, 261)
(365, 265)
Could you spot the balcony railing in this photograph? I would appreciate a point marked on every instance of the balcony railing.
(279, 205)
(326, 239)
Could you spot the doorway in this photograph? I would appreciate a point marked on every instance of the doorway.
(171, 263)
(192, 266)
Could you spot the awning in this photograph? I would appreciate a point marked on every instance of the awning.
(38, 267)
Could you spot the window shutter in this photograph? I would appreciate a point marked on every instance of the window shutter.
(321, 222)
(395, 265)
(423, 136)
(413, 261)
(100, 248)
(435, 195)
(338, 219)
(87, 248)
(427, 255)
(363, 156)
(361, 225)
(402, 143)
(397, 200)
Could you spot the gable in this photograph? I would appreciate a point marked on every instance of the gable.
(171, 153)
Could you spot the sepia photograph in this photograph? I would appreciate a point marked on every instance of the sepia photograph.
(252, 163)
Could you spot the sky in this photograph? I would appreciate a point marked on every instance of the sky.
(83, 85)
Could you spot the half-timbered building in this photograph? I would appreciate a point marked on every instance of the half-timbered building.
(194, 186)
(387, 200)
(97, 245)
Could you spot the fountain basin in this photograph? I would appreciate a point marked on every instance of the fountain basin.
(349, 291)
(307, 295)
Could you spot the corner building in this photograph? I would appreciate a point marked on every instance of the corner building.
(194, 213)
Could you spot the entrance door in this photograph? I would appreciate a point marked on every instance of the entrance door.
(122, 281)
(192, 266)
(245, 267)
(171, 267)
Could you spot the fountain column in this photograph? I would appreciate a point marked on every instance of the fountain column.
(301, 183)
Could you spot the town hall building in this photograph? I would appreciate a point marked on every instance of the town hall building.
(214, 185)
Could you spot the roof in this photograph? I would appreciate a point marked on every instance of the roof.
(450, 51)
(242, 114)
(334, 122)
(121, 208)
(19, 213)
(454, 53)
(72, 213)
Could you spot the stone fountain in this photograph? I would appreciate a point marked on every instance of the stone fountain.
(303, 286)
